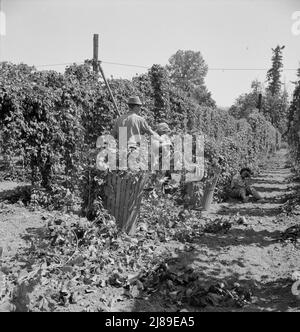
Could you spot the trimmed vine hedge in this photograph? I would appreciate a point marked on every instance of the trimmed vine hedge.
(294, 127)
(51, 121)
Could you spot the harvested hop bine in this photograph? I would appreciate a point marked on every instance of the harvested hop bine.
(217, 226)
(183, 286)
(290, 234)
(292, 204)
(18, 194)
(223, 295)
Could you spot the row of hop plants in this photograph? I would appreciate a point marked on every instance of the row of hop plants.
(293, 132)
(50, 121)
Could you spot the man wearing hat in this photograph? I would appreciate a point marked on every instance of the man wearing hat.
(135, 124)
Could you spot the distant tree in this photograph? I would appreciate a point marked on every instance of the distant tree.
(298, 75)
(292, 108)
(203, 97)
(187, 70)
(246, 102)
(282, 121)
(160, 87)
(275, 109)
(274, 73)
(275, 106)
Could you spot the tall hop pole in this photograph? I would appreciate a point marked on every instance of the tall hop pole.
(97, 68)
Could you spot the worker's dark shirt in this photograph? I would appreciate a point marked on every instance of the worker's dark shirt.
(135, 125)
(238, 182)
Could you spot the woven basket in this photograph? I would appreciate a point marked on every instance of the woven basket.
(209, 193)
(123, 193)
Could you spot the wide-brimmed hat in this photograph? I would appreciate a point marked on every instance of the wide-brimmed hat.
(163, 127)
(134, 101)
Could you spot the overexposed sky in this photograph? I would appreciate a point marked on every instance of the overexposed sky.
(233, 34)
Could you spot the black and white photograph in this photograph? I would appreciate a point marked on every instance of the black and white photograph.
(149, 158)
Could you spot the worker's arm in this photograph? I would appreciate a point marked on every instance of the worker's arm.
(237, 182)
(146, 129)
(155, 135)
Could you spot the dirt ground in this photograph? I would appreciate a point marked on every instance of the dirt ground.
(247, 253)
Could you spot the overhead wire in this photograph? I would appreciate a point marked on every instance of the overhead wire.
(147, 67)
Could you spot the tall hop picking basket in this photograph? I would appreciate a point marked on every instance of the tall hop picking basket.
(209, 189)
(122, 190)
(123, 195)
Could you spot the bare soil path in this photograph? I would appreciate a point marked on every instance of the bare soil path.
(248, 253)
(15, 220)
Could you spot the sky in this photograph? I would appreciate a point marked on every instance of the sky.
(230, 34)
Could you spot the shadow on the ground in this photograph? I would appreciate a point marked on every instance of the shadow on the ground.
(269, 295)
(268, 181)
(238, 237)
(180, 277)
(275, 296)
(270, 189)
(251, 211)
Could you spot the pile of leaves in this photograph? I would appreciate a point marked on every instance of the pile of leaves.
(291, 234)
(218, 226)
(184, 287)
(73, 257)
(170, 221)
(18, 194)
(36, 197)
(292, 204)
(191, 231)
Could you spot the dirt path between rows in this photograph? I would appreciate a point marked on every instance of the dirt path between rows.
(247, 254)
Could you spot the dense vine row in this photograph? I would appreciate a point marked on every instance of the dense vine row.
(50, 122)
(294, 126)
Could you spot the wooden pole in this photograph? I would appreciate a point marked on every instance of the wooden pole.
(108, 88)
(259, 102)
(97, 67)
(1, 31)
(95, 52)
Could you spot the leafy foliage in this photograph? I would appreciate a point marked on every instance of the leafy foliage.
(187, 69)
(51, 121)
(71, 258)
(247, 102)
(274, 99)
(294, 125)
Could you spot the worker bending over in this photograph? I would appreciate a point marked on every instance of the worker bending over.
(241, 186)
